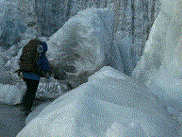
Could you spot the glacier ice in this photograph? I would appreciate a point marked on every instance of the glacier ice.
(109, 104)
(10, 94)
(160, 67)
(81, 43)
(85, 43)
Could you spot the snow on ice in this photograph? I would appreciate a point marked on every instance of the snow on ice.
(109, 104)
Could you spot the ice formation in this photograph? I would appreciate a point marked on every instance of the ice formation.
(10, 94)
(160, 66)
(109, 104)
(85, 43)
(15, 17)
(81, 47)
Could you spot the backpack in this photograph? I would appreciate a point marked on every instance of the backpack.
(29, 57)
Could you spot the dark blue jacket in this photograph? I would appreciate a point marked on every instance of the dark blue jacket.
(42, 63)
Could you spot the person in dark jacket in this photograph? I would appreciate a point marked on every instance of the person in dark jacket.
(32, 79)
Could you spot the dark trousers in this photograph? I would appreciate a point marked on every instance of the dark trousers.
(30, 94)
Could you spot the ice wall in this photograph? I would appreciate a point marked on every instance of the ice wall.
(84, 44)
(160, 66)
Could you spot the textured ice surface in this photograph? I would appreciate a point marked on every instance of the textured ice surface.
(109, 104)
(160, 67)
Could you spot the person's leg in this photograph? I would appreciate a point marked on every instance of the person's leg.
(30, 94)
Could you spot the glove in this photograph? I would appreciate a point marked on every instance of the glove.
(48, 75)
(20, 74)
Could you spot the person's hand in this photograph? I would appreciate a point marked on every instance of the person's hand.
(20, 74)
(48, 75)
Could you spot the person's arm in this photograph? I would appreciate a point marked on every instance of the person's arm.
(43, 64)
